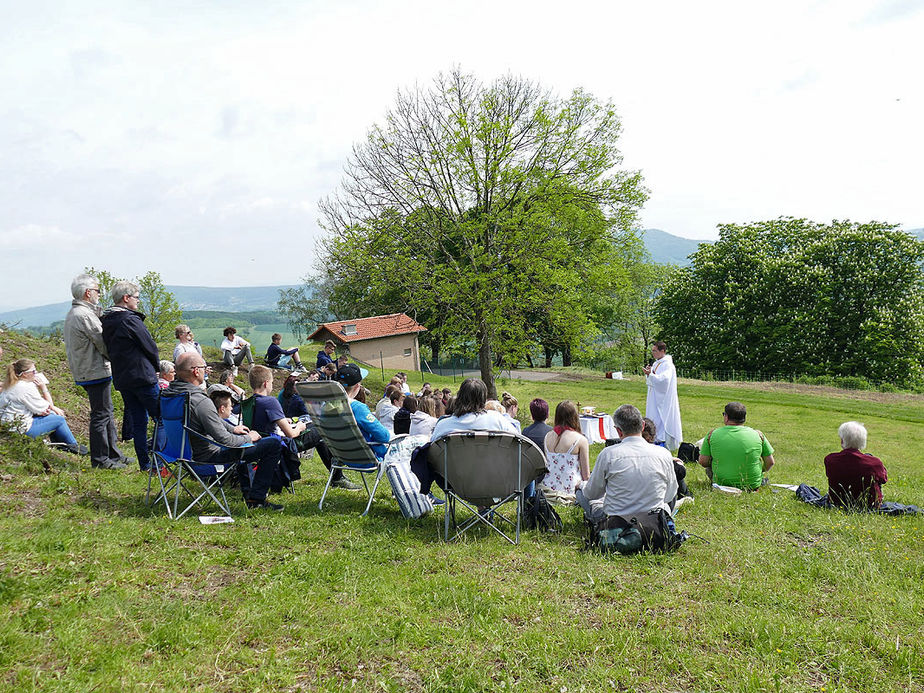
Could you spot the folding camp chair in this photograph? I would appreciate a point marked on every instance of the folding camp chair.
(331, 413)
(483, 471)
(177, 475)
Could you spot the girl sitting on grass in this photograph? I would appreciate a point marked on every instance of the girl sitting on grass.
(22, 405)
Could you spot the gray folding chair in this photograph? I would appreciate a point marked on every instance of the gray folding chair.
(331, 413)
(483, 471)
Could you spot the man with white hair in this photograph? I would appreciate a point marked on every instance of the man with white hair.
(88, 360)
(135, 362)
(854, 478)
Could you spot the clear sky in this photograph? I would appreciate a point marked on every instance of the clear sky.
(196, 138)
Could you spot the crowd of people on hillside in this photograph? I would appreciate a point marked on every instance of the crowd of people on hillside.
(635, 472)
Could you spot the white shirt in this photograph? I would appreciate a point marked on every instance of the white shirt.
(485, 421)
(387, 417)
(422, 424)
(632, 477)
(234, 346)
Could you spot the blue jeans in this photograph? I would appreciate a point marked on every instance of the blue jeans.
(52, 423)
(139, 402)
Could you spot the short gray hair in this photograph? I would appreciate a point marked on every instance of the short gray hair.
(853, 435)
(123, 288)
(629, 420)
(81, 284)
(167, 367)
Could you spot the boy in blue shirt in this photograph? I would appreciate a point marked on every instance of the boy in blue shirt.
(351, 377)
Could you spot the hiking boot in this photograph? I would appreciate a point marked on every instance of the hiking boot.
(76, 449)
(345, 484)
(436, 501)
(264, 505)
(109, 464)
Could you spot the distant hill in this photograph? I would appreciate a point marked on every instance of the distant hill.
(232, 299)
(666, 248)
(917, 232)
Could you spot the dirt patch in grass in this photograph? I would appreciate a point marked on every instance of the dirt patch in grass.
(815, 390)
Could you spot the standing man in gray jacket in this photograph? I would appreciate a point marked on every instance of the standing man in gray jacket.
(89, 364)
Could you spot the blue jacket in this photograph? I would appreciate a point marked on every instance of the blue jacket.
(372, 430)
(132, 350)
(323, 360)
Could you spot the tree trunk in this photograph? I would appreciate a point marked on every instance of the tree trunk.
(485, 361)
(529, 360)
(566, 355)
(434, 351)
(548, 356)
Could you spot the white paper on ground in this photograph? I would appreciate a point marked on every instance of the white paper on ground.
(788, 487)
(727, 489)
(215, 519)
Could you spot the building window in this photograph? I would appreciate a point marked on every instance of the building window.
(407, 352)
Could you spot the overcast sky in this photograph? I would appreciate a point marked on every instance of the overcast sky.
(196, 138)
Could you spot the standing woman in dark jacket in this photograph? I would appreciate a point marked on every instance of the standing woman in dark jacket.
(135, 362)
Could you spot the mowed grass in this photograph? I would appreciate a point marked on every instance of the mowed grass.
(99, 592)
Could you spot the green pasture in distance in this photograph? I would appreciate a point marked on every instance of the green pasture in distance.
(97, 591)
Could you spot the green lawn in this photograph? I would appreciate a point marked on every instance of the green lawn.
(98, 592)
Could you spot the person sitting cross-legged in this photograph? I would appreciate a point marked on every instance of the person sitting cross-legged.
(277, 357)
(629, 479)
(736, 455)
(269, 419)
(204, 419)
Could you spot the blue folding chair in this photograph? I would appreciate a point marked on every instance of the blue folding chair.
(331, 413)
(176, 473)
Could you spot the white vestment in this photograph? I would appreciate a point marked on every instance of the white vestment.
(662, 405)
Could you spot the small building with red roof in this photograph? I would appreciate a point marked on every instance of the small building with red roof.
(389, 341)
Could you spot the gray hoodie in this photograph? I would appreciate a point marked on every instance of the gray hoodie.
(83, 340)
(203, 418)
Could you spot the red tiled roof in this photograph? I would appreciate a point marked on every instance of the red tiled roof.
(369, 328)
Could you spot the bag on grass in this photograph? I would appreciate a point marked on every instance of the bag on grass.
(654, 531)
(539, 514)
(687, 452)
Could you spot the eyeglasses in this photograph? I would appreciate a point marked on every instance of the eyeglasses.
(31, 370)
(203, 366)
(95, 289)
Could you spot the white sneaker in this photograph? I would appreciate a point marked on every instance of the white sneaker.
(234, 372)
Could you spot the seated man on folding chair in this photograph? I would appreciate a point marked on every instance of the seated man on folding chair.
(350, 376)
(204, 419)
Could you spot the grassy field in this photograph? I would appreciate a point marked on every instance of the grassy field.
(99, 592)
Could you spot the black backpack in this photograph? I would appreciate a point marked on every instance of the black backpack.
(539, 514)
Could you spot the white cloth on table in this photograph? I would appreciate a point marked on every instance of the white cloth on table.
(662, 405)
(598, 428)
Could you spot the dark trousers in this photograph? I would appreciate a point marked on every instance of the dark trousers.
(103, 435)
(265, 453)
(312, 439)
(139, 403)
(425, 474)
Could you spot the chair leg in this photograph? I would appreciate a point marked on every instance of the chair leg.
(330, 478)
(378, 478)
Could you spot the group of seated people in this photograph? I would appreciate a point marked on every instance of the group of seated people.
(628, 477)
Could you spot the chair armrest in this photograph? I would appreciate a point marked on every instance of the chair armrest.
(215, 442)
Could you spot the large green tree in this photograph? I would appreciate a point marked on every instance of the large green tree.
(792, 296)
(472, 202)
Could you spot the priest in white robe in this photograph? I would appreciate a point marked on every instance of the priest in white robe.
(662, 405)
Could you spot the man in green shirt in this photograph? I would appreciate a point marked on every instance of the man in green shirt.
(736, 455)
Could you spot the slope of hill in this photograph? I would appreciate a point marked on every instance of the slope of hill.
(229, 299)
(666, 248)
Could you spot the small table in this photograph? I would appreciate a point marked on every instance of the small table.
(598, 428)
